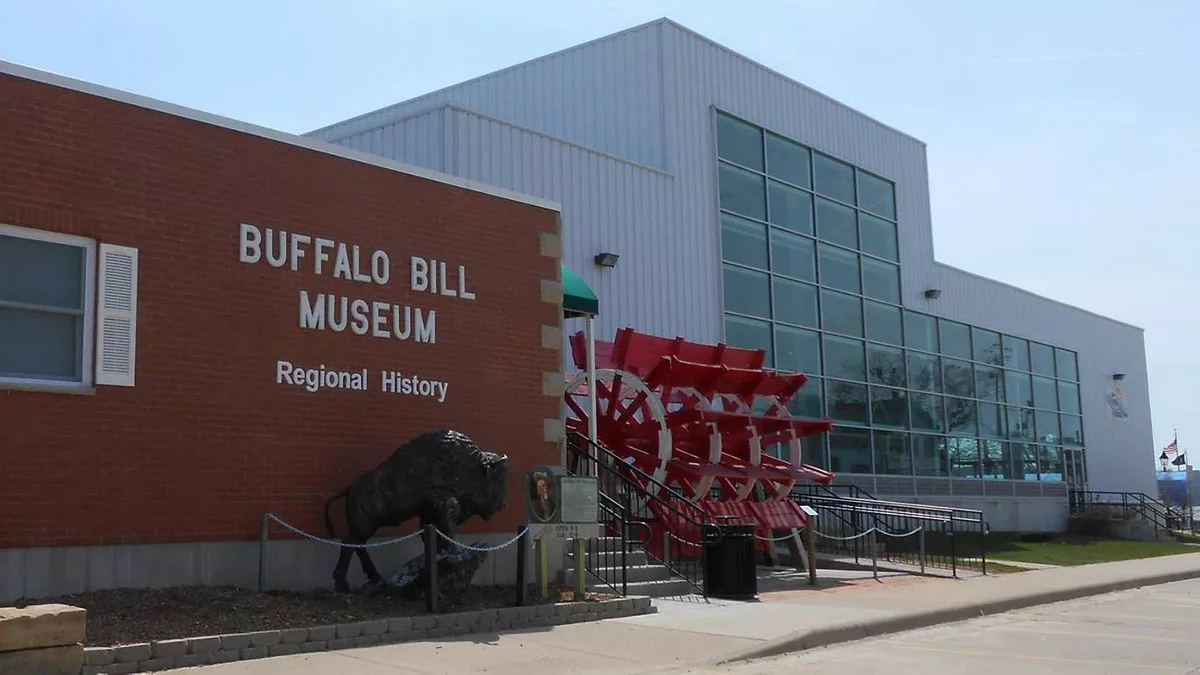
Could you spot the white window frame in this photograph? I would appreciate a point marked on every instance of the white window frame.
(85, 383)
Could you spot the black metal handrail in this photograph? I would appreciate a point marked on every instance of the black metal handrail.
(1163, 517)
(678, 545)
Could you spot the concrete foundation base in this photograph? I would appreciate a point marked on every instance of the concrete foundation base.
(294, 565)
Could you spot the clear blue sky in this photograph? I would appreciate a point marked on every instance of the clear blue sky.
(1064, 137)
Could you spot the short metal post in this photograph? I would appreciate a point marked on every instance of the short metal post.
(431, 596)
(666, 552)
(983, 533)
(522, 586)
(922, 539)
(262, 552)
(953, 553)
(581, 572)
(811, 545)
(874, 556)
(624, 561)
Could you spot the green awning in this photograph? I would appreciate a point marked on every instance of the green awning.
(578, 299)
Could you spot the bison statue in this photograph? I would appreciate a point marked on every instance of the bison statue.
(441, 477)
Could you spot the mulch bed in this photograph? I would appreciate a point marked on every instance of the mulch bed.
(124, 616)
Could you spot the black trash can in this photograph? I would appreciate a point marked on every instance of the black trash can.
(730, 567)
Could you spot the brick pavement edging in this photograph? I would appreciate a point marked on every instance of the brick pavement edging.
(202, 651)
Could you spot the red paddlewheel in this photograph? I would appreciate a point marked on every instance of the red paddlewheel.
(695, 417)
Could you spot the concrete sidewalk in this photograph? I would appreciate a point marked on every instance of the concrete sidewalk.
(685, 632)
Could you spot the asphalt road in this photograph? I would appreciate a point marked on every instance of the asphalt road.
(1149, 630)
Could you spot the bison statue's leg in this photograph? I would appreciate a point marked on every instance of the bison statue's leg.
(361, 529)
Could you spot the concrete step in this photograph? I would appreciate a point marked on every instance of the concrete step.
(658, 589)
(632, 573)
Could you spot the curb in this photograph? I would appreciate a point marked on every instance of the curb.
(209, 650)
(824, 637)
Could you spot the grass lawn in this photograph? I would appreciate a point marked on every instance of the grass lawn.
(1076, 550)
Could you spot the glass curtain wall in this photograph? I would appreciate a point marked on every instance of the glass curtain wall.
(811, 271)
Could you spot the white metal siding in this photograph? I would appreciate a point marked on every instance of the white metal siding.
(611, 96)
(415, 140)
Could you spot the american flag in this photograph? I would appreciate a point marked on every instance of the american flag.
(1171, 448)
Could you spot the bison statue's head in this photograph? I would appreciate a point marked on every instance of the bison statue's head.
(493, 494)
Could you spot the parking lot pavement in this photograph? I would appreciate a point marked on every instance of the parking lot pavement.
(1153, 629)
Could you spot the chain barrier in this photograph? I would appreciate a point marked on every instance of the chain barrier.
(332, 542)
(773, 540)
(485, 549)
(900, 536)
(857, 536)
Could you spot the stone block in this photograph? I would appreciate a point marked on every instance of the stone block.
(348, 630)
(153, 665)
(168, 649)
(194, 660)
(626, 603)
(322, 633)
(417, 636)
(204, 645)
(439, 633)
(400, 625)
(293, 636)
(550, 245)
(226, 656)
(235, 641)
(50, 625)
(314, 646)
(119, 669)
(552, 338)
(60, 660)
(423, 622)
(132, 653)
(375, 627)
(543, 611)
(250, 653)
(283, 650)
(97, 656)
(366, 640)
(562, 609)
(266, 638)
(341, 643)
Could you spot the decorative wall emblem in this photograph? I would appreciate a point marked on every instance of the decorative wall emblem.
(1116, 402)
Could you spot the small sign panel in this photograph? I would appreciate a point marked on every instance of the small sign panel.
(560, 506)
(579, 500)
(564, 531)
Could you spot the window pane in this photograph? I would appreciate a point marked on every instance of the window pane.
(790, 207)
(750, 334)
(850, 451)
(1067, 367)
(1068, 397)
(884, 323)
(958, 377)
(1041, 357)
(1047, 427)
(743, 241)
(739, 142)
(991, 420)
(833, 178)
(961, 416)
(841, 313)
(746, 292)
(878, 237)
(924, 372)
(1051, 463)
(1072, 429)
(1016, 353)
(795, 302)
(1018, 388)
(39, 345)
(885, 365)
(797, 351)
(808, 402)
(876, 195)
(989, 384)
(986, 346)
(889, 408)
(847, 402)
(892, 454)
(814, 450)
(839, 268)
(793, 255)
(788, 161)
(1027, 455)
(964, 458)
(920, 331)
(1020, 424)
(881, 280)
(836, 223)
(743, 192)
(929, 455)
(41, 273)
(844, 358)
(997, 463)
(1045, 393)
(956, 339)
(927, 412)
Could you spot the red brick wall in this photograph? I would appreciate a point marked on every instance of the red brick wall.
(206, 441)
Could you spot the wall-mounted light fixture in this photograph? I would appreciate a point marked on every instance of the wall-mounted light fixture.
(607, 259)
(1117, 377)
(933, 293)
